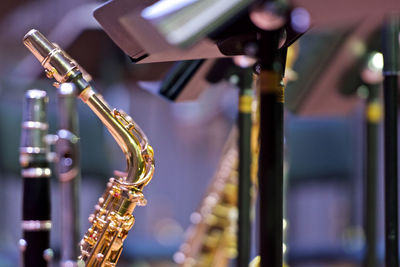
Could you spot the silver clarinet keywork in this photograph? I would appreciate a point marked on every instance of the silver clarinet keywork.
(102, 244)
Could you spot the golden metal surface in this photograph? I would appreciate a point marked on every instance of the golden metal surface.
(52, 58)
(271, 82)
(212, 238)
(245, 103)
(110, 224)
(374, 112)
(112, 219)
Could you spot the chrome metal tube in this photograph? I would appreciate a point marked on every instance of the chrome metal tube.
(68, 172)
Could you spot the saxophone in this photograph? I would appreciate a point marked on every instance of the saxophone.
(211, 240)
(102, 244)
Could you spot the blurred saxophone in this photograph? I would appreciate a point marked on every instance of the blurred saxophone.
(211, 240)
(103, 242)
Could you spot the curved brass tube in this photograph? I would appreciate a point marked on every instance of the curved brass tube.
(132, 141)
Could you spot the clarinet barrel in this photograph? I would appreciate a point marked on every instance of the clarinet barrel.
(34, 151)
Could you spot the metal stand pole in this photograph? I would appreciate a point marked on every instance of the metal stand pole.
(244, 189)
(391, 73)
(271, 150)
(373, 117)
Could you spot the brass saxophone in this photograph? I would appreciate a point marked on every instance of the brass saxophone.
(110, 223)
(211, 240)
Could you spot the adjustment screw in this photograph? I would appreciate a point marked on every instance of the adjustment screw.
(48, 254)
(22, 245)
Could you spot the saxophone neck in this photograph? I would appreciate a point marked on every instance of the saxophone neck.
(129, 137)
(60, 66)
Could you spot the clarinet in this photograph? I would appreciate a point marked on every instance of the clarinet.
(34, 152)
(112, 219)
(68, 172)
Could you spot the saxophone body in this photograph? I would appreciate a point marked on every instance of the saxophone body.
(211, 240)
(112, 219)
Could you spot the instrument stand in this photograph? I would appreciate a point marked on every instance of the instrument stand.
(270, 70)
(390, 87)
(373, 118)
(244, 170)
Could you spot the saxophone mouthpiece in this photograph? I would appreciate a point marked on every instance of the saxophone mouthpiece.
(57, 63)
(38, 44)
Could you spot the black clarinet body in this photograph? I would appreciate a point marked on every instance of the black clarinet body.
(36, 172)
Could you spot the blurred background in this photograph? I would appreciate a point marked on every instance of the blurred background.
(324, 136)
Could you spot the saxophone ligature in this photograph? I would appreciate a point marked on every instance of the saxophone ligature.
(110, 223)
